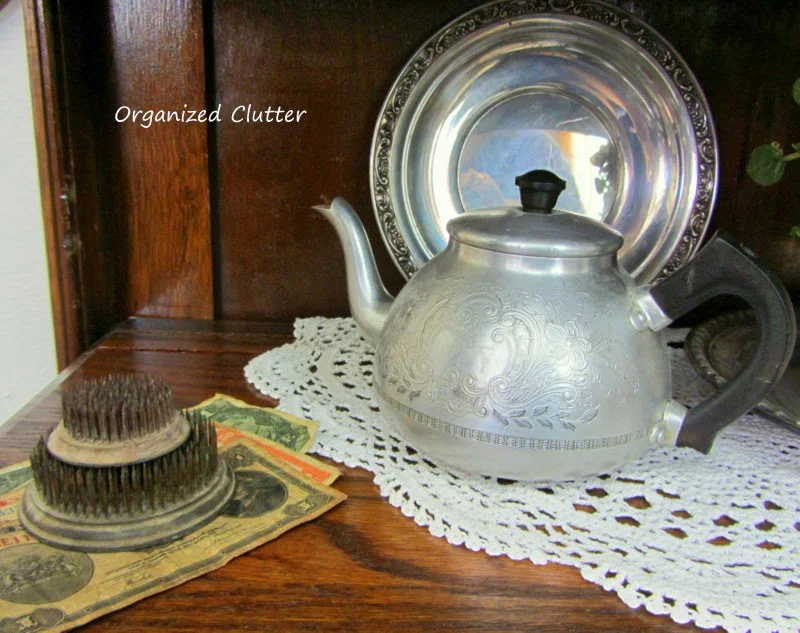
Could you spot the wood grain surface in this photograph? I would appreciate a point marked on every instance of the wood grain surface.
(337, 59)
(161, 172)
(361, 567)
(53, 150)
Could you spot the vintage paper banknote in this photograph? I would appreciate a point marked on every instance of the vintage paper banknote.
(277, 426)
(310, 467)
(47, 589)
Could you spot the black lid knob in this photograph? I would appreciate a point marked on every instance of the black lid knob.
(539, 190)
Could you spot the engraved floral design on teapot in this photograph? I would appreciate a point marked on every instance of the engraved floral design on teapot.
(526, 360)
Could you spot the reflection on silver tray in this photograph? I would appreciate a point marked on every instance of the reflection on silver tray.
(718, 349)
(583, 89)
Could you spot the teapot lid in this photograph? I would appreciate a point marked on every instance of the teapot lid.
(535, 228)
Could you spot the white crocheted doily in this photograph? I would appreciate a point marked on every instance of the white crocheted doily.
(713, 540)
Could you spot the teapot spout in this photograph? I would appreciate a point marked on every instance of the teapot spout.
(369, 300)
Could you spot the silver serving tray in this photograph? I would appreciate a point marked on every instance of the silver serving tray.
(583, 89)
(718, 350)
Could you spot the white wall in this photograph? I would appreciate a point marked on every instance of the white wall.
(27, 346)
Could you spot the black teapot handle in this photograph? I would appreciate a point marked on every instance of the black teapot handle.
(723, 268)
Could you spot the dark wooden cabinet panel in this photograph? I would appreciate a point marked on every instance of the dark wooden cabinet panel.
(42, 31)
(161, 172)
(336, 59)
(744, 55)
(763, 216)
(88, 174)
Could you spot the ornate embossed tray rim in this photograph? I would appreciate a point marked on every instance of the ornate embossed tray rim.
(625, 24)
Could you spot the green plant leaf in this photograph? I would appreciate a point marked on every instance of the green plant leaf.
(766, 165)
(795, 232)
(796, 91)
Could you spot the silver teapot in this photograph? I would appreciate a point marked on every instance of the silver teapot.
(524, 351)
